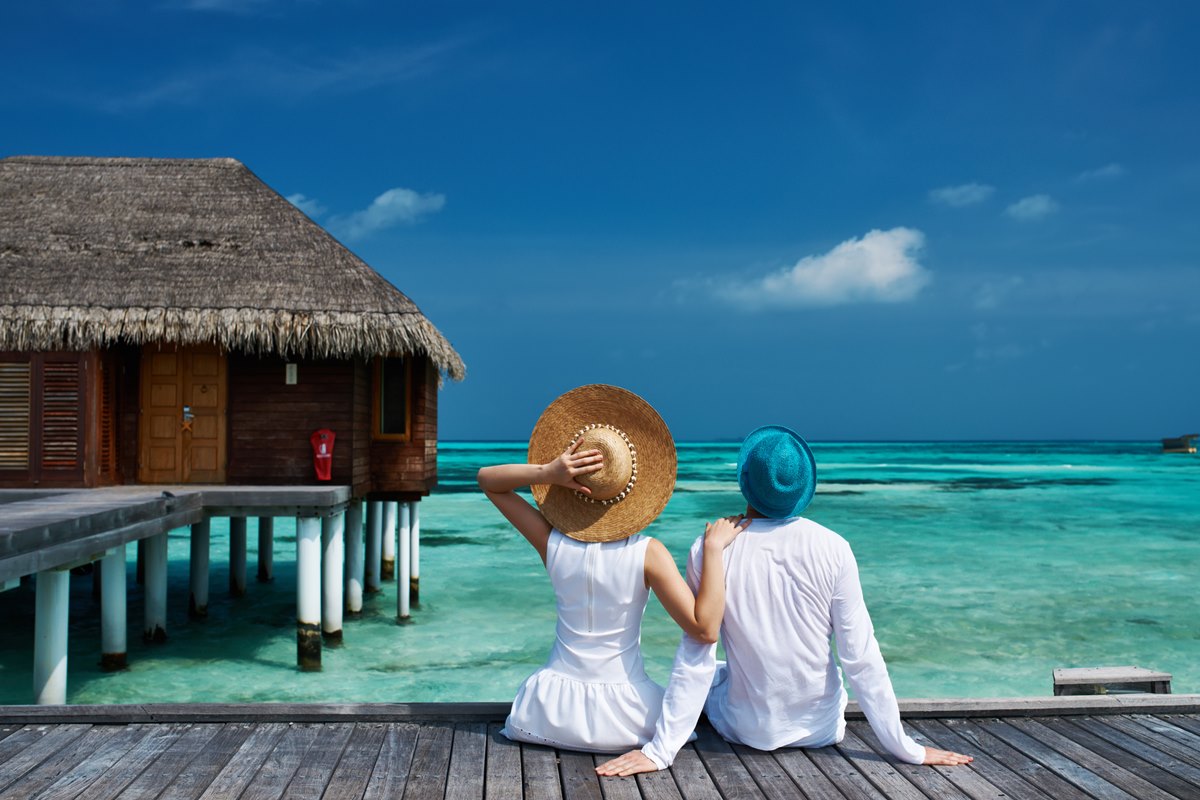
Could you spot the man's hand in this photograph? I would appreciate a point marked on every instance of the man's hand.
(563, 470)
(945, 758)
(631, 763)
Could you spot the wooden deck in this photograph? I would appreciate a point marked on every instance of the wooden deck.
(1064, 752)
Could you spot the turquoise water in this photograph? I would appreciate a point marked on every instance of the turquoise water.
(985, 566)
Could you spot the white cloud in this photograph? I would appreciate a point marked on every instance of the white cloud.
(308, 205)
(394, 207)
(880, 267)
(1034, 207)
(1107, 172)
(965, 194)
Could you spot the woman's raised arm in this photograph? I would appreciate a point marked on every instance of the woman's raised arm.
(699, 616)
(500, 482)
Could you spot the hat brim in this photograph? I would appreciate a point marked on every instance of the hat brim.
(605, 405)
(760, 503)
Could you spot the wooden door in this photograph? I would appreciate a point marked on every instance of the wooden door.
(182, 420)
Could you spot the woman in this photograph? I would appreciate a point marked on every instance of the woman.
(601, 467)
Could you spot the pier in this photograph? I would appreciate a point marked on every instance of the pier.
(1143, 747)
(46, 533)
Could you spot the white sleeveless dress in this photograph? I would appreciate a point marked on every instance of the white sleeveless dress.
(593, 693)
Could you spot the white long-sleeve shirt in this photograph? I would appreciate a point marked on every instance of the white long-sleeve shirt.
(790, 586)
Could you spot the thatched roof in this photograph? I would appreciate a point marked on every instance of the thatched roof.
(95, 251)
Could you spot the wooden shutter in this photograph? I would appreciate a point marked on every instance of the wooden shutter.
(107, 421)
(62, 416)
(14, 416)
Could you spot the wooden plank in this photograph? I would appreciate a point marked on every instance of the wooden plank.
(843, 774)
(395, 758)
(1164, 736)
(93, 762)
(770, 777)
(1093, 754)
(691, 777)
(349, 778)
(238, 768)
(931, 781)
(816, 785)
(164, 769)
(207, 765)
(875, 768)
(1119, 759)
(271, 779)
(727, 770)
(17, 741)
(1189, 723)
(318, 764)
(1143, 744)
(28, 751)
(468, 758)
(8, 730)
(612, 788)
(1033, 772)
(987, 778)
(1063, 765)
(431, 761)
(539, 768)
(577, 771)
(61, 761)
(650, 785)
(502, 772)
(157, 738)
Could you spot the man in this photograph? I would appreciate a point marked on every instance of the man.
(791, 586)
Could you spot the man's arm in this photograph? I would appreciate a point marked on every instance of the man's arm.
(863, 664)
(691, 677)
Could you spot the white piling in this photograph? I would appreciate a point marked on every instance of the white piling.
(50, 637)
(237, 556)
(403, 599)
(415, 579)
(113, 621)
(198, 570)
(354, 557)
(154, 628)
(374, 546)
(387, 568)
(308, 593)
(333, 567)
(266, 549)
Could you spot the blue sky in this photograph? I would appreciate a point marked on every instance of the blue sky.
(897, 221)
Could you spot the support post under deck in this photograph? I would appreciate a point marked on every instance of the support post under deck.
(113, 619)
(198, 569)
(333, 568)
(237, 556)
(354, 557)
(308, 593)
(50, 637)
(266, 549)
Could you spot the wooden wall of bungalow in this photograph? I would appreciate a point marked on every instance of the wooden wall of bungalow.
(88, 419)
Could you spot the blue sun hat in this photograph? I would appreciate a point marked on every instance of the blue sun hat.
(776, 471)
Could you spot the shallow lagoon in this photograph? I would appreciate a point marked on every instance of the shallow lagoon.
(985, 565)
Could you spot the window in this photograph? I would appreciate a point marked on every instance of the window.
(14, 415)
(391, 398)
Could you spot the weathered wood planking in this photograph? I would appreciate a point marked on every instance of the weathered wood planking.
(1079, 756)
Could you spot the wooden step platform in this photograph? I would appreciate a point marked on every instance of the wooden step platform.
(364, 751)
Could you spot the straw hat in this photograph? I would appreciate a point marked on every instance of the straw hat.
(639, 462)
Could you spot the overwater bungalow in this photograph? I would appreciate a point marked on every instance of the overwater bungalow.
(178, 321)
(176, 342)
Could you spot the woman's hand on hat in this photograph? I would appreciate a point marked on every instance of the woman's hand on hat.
(718, 535)
(563, 470)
